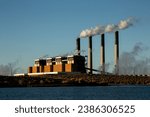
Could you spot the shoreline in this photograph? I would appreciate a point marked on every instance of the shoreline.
(73, 80)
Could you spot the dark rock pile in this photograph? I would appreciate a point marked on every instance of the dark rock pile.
(72, 80)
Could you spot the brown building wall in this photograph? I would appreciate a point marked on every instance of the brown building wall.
(66, 64)
(48, 68)
(68, 67)
(59, 68)
(29, 69)
(35, 69)
(41, 68)
(71, 68)
(74, 68)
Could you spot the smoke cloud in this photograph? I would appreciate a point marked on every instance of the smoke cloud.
(9, 69)
(123, 24)
(131, 64)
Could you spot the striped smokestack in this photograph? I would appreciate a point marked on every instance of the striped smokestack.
(116, 52)
(90, 64)
(78, 46)
(102, 53)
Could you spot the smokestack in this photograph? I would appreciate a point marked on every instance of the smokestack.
(116, 52)
(78, 46)
(102, 53)
(90, 66)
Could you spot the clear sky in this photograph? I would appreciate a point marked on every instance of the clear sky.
(30, 29)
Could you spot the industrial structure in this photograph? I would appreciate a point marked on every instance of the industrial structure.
(72, 63)
(102, 54)
(116, 52)
(76, 63)
(90, 61)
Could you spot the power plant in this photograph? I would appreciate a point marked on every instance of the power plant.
(76, 63)
(75, 70)
(64, 64)
(72, 70)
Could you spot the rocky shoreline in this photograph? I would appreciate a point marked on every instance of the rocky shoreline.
(72, 80)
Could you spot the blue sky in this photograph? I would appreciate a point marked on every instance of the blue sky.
(33, 28)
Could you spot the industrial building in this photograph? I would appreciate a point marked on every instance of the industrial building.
(73, 63)
(76, 63)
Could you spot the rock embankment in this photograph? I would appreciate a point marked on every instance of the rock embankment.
(72, 80)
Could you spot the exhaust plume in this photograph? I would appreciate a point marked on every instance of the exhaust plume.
(126, 23)
(131, 64)
(123, 24)
(9, 69)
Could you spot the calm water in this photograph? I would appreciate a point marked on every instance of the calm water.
(91, 93)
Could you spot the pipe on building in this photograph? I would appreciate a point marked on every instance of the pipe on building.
(102, 54)
(116, 52)
(78, 46)
(90, 64)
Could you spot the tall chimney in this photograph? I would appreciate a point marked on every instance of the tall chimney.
(116, 52)
(90, 66)
(78, 46)
(102, 53)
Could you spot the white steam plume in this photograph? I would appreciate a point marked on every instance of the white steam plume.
(92, 31)
(123, 24)
(130, 63)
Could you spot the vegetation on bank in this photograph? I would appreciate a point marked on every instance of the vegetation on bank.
(72, 80)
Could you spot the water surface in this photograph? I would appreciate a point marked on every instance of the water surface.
(77, 93)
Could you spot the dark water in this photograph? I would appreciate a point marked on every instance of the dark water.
(69, 93)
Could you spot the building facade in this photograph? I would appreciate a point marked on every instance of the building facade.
(73, 63)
